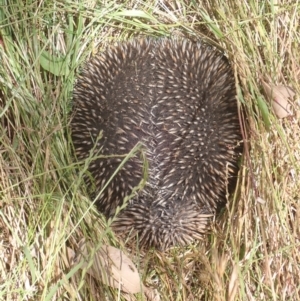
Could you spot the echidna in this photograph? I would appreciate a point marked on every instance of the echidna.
(178, 99)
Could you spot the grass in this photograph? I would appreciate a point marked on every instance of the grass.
(252, 252)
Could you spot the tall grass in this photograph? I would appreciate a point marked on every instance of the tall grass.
(252, 252)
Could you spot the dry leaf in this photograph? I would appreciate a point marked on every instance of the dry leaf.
(113, 268)
(280, 96)
(152, 295)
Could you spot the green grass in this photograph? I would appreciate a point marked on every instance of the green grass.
(252, 252)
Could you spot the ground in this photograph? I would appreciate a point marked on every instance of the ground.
(252, 251)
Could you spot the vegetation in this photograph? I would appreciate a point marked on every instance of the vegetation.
(253, 250)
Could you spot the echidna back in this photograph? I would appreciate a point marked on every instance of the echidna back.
(176, 98)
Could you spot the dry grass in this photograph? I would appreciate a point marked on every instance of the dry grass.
(253, 251)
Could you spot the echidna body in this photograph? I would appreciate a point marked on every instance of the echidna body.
(178, 99)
